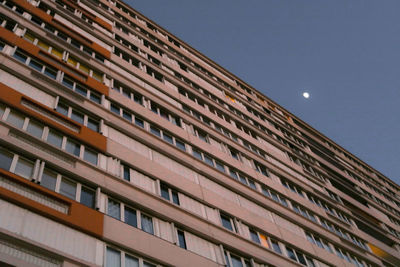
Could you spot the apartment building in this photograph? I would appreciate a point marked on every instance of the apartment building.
(120, 145)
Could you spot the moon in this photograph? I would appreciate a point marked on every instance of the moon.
(306, 95)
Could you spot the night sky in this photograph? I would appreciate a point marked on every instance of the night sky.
(346, 54)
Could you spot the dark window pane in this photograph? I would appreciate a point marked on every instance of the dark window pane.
(35, 65)
(276, 247)
(219, 166)
(90, 156)
(93, 125)
(87, 197)
(208, 160)
(291, 254)
(181, 238)
(236, 261)
(164, 192)
(180, 145)
(52, 73)
(175, 197)
(5, 159)
(139, 122)
(73, 148)
(254, 236)
(54, 138)
(81, 90)
(21, 57)
(127, 174)
(95, 98)
(130, 216)
(127, 115)
(63, 109)
(67, 82)
(16, 119)
(226, 222)
(68, 188)
(197, 154)
(168, 138)
(78, 117)
(49, 180)
(155, 131)
(115, 109)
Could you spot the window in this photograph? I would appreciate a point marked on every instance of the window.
(131, 261)
(73, 148)
(254, 236)
(68, 188)
(164, 192)
(169, 194)
(90, 156)
(130, 216)
(16, 119)
(175, 197)
(276, 247)
(35, 129)
(113, 258)
(180, 145)
(87, 197)
(24, 168)
(147, 224)
(168, 138)
(113, 209)
(227, 222)
(78, 117)
(5, 159)
(54, 138)
(155, 131)
(49, 180)
(181, 239)
(139, 122)
(127, 173)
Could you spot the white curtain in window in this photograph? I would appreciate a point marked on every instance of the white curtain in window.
(147, 224)
(165, 230)
(113, 258)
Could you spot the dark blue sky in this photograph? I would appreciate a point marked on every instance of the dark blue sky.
(345, 53)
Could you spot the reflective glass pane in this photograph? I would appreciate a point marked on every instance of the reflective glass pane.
(131, 261)
(73, 148)
(130, 216)
(35, 129)
(16, 119)
(90, 156)
(24, 168)
(87, 197)
(49, 180)
(5, 159)
(68, 188)
(54, 138)
(113, 258)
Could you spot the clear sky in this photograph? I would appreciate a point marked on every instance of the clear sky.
(346, 54)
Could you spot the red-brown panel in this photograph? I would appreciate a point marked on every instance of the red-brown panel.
(33, 50)
(79, 216)
(13, 98)
(63, 28)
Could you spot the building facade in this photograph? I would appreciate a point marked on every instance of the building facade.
(120, 145)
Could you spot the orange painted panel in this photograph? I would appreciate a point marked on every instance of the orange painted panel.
(13, 98)
(79, 216)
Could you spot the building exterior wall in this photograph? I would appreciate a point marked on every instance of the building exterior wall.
(120, 145)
